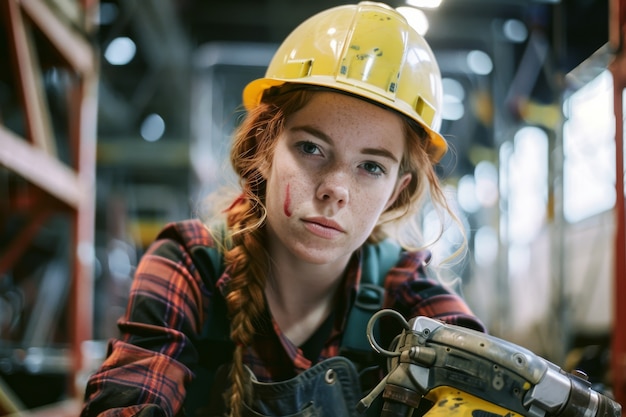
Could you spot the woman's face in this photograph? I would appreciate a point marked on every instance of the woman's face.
(334, 171)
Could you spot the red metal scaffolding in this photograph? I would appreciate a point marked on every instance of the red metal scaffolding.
(54, 185)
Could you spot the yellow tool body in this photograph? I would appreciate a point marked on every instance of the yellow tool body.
(450, 402)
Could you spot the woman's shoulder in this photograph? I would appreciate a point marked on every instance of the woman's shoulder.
(189, 242)
(418, 258)
(188, 232)
(389, 253)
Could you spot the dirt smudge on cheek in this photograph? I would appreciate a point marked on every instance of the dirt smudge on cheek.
(287, 203)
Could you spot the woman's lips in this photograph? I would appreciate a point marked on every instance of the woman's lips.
(323, 227)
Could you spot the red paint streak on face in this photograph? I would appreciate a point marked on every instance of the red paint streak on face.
(287, 203)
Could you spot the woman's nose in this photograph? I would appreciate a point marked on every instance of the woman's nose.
(333, 188)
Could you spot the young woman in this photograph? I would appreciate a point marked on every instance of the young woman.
(251, 315)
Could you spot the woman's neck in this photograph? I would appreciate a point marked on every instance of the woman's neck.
(301, 295)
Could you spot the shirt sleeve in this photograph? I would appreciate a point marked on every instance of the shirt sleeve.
(147, 369)
(411, 292)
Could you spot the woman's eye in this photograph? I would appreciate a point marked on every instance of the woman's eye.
(373, 168)
(309, 148)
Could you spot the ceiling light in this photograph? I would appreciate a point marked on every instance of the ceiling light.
(515, 30)
(120, 51)
(479, 62)
(152, 128)
(427, 4)
(453, 95)
(416, 18)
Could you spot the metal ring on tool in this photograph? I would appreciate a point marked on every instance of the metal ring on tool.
(370, 330)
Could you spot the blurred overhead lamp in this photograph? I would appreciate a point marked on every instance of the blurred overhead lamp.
(453, 96)
(152, 128)
(515, 30)
(426, 4)
(479, 62)
(120, 51)
(416, 18)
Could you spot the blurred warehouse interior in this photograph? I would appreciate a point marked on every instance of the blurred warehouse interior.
(115, 118)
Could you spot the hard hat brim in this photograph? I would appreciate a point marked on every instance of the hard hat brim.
(253, 94)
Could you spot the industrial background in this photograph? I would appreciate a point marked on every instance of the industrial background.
(115, 118)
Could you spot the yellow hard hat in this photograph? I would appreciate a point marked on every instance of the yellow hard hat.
(368, 50)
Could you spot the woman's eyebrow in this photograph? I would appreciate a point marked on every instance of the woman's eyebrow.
(314, 132)
(325, 138)
(380, 152)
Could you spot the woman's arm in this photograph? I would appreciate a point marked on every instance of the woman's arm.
(148, 367)
(412, 293)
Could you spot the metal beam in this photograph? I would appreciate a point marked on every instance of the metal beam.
(38, 125)
(36, 166)
(20, 243)
(82, 133)
(71, 44)
(617, 25)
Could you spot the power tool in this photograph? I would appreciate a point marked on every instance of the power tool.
(441, 369)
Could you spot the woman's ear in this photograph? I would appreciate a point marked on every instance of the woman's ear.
(401, 184)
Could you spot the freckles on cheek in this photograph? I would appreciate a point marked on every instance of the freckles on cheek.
(287, 203)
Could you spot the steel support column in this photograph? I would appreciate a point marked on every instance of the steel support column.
(617, 27)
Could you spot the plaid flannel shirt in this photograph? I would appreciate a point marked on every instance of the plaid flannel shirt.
(149, 365)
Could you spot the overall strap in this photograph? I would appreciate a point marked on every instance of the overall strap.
(210, 263)
(377, 260)
(213, 344)
(216, 327)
